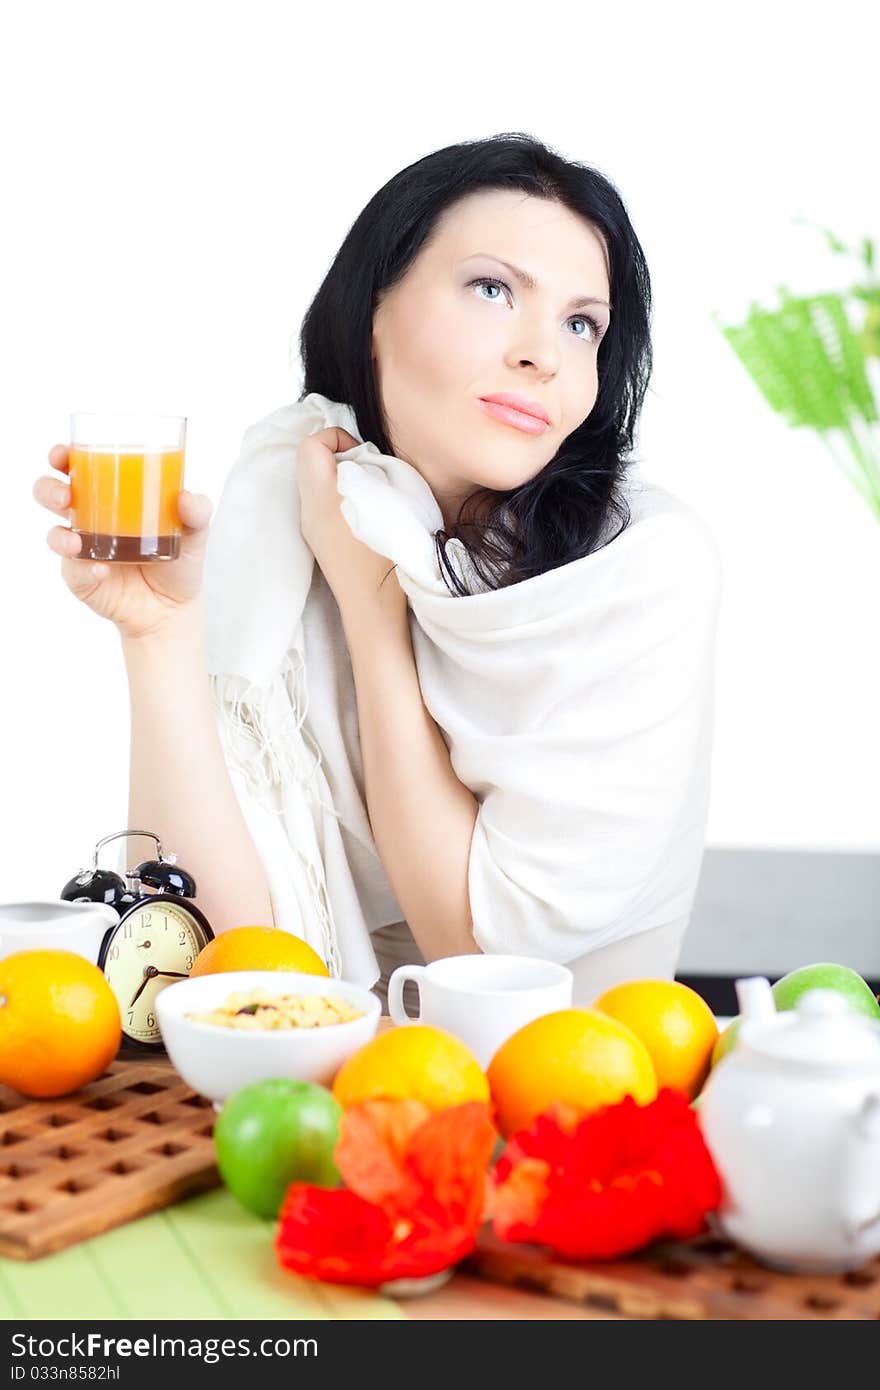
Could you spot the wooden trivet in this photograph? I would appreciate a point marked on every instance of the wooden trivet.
(708, 1278)
(136, 1139)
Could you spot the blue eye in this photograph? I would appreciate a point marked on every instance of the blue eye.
(493, 284)
(595, 325)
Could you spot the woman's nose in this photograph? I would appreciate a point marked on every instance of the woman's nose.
(535, 349)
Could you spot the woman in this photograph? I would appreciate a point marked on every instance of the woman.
(524, 763)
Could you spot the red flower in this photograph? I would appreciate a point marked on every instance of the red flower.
(414, 1200)
(607, 1183)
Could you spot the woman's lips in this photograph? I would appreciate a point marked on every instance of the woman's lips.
(508, 416)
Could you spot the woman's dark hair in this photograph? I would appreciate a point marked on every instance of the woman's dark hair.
(561, 513)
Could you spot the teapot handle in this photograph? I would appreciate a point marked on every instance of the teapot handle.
(857, 1229)
(860, 1170)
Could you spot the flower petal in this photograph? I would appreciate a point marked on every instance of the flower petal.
(449, 1157)
(611, 1182)
(335, 1235)
(332, 1234)
(516, 1203)
(371, 1151)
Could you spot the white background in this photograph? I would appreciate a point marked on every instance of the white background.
(176, 180)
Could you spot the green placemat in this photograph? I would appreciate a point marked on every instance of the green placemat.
(202, 1258)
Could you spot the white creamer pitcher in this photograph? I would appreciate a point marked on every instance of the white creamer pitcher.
(792, 1119)
(56, 926)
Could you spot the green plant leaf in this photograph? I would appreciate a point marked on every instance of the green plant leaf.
(869, 338)
(805, 360)
(834, 242)
(811, 367)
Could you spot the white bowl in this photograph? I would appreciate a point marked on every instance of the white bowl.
(216, 1061)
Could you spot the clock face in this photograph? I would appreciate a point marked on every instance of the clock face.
(154, 945)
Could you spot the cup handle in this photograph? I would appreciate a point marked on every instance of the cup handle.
(398, 979)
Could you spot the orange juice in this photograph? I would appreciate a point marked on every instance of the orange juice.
(123, 501)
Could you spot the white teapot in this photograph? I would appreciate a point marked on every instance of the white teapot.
(792, 1119)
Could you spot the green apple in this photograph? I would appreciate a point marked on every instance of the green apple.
(788, 990)
(272, 1133)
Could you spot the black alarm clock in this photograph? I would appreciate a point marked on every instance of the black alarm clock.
(156, 940)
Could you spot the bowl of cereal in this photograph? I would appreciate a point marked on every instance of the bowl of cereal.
(223, 1031)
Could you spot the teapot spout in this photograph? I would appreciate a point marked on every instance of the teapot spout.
(755, 998)
(860, 1171)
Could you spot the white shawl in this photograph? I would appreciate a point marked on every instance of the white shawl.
(577, 706)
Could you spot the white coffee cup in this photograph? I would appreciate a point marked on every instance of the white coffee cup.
(482, 999)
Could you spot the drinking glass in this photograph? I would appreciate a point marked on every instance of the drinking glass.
(126, 471)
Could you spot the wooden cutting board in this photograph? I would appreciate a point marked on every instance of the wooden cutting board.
(708, 1278)
(133, 1141)
(136, 1139)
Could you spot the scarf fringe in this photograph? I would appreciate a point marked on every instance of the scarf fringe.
(274, 758)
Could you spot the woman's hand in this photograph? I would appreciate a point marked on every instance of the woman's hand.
(355, 573)
(140, 599)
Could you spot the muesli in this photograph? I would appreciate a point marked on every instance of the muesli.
(258, 1010)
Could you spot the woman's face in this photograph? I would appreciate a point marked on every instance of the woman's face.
(443, 338)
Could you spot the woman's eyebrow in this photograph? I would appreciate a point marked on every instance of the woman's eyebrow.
(531, 283)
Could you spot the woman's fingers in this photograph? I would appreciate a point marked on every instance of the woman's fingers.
(194, 510)
(64, 542)
(52, 493)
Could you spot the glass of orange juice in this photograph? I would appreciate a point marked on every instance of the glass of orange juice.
(126, 471)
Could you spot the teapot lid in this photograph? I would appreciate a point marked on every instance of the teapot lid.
(822, 1030)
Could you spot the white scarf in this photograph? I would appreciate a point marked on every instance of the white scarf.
(576, 706)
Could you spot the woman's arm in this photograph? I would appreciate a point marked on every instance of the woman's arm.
(179, 785)
(422, 816)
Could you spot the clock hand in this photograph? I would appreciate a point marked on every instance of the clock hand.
(150, 972)
(175, 974)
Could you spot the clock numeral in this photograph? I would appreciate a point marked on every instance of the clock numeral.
(113, 953)
(126, 930)
(181, 939)
(189, 962)
(148, 917)
(151, 1022)
(131, 1016)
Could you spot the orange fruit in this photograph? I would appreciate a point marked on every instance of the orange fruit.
(257, 948)
(578, 1056)
(59, 1022)
(414, 1062)
(677, 1027)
